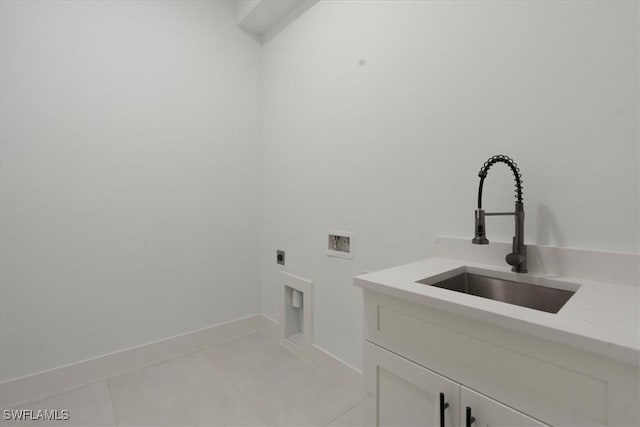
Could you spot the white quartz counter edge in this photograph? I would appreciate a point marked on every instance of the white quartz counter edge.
(600, 318)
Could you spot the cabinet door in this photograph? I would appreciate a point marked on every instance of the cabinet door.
(401, 393)
(488, 412)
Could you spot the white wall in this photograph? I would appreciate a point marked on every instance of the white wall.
(130, 143)
(244, 7)
(131, 164)
(378, 115)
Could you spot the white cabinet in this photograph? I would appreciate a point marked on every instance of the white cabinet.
(401, 393)
(412, 353)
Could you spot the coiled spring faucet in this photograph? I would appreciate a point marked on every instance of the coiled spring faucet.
(517, 259)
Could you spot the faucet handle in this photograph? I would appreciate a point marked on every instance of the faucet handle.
(517, 261)
(514, 258)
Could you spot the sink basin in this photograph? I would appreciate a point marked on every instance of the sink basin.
(536, 297)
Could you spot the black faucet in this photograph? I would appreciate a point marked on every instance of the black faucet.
(517, 259)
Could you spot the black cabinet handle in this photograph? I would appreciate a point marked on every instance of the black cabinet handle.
(443, 405)
(470, 419)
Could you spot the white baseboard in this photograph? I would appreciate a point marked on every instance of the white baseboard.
(320, 357)
(42, 384)
(331, 363)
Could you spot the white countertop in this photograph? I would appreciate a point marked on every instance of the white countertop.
(600, 318)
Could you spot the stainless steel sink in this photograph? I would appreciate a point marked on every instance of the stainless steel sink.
(536, 297)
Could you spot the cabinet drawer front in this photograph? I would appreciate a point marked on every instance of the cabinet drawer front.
(401, 393)
(557, 393)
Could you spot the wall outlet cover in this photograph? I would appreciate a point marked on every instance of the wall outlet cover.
(340, 244)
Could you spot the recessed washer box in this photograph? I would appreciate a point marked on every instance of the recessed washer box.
(340, 244)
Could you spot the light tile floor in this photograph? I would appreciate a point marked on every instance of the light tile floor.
(248, 381)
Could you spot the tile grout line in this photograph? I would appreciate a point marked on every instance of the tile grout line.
(117, 374)
(230, 383)
(107, 378)
(306, 361)
(309, 362)
(171, 358)
(113, 410)
(153, 364)
(31, 402)
(224, 377)
(96, 381)
(359, 403)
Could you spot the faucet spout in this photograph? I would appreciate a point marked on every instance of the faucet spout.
(518, 256)
(500, 158)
